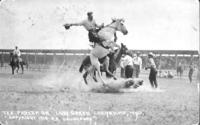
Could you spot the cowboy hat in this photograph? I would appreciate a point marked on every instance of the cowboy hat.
(89, 13)
(151, 54)
(138, 52)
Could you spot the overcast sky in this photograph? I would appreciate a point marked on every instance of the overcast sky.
(152, 24)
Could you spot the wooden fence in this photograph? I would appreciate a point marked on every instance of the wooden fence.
(44, 57)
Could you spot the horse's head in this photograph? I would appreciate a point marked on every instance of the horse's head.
(121, 51)
(119, 25)
(13, 57)
(123, 48)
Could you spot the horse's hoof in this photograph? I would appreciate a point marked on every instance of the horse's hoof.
(135, 86)
(114, 78)
(95, 79)
(104, 85)
(129, 83)
(85, 81)
(141, 82)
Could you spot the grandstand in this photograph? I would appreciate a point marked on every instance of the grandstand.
(165, 59)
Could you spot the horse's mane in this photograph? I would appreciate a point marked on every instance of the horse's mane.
(109, 24)
(113, 21)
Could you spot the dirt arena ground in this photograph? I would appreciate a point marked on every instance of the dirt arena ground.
(62, 98)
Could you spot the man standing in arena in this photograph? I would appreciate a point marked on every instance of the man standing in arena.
(153, 71)
(191, 70)
(122, 74)
(137, 61)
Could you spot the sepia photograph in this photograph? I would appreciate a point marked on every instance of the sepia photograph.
(99, 62)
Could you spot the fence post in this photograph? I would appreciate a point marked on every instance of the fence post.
(64, 61)
(35, 59)
(54, 58)
(191, 58)
(44, 59)
(44, 62)
(2, 59)
(160, 62)
(176, 61)
(27, 60)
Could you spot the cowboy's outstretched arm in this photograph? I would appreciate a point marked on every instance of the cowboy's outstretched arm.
(75, 24)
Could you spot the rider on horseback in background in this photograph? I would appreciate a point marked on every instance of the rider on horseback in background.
(17, 54)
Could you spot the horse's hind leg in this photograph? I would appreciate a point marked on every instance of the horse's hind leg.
(22, 68)
(85, 77)
(94, 76)
(108, 73)
(13, 70)
(92, 71)
(17, 68)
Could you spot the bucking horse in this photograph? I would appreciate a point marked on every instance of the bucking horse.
(114, 58)
(102, 49)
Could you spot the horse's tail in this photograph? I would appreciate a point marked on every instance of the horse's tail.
(81, 68)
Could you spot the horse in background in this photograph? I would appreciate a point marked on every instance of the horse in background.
(113, 62)
(16, 63)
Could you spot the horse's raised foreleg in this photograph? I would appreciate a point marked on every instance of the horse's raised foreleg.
(85, 77)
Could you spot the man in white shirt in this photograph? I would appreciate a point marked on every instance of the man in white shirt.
(153, 70)
(17, 53)
(122, 74)
(137, 61)
(128, 64)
